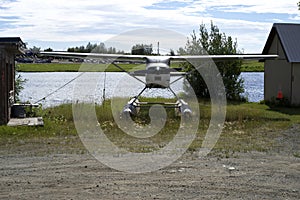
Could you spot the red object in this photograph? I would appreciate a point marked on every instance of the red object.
(279, 95)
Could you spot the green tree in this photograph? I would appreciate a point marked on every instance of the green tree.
(95, 48)
(35, 50)
(141, 49)
(89, 47)
(48, 49)
(298, 5)
(214, 43)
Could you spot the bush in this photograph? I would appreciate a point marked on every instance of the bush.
(214, 43)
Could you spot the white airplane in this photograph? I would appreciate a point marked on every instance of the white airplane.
(157, 73)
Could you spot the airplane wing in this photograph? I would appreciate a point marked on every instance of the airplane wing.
(144, 72)
(224, 57)
(96, 56)
(120, 57)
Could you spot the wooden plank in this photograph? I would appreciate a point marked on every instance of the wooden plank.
(30, 121)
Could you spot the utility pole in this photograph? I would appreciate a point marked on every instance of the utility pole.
(158, 48)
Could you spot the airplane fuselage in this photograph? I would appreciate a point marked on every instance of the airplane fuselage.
(158, 72)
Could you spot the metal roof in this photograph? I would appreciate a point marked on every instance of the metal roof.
(13, 41)
(10, 40)
(289, 36)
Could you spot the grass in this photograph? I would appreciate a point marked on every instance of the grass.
(254, 127)
(73, 67)
(248, 127)
(247, 66)
(252, 66)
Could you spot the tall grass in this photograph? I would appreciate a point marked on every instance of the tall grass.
(248, 127)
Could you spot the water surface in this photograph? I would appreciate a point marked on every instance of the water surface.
(40, 85)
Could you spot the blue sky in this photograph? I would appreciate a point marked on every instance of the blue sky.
(60, 24)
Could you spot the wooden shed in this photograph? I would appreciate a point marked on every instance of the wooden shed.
(282, 76)
(9, 48)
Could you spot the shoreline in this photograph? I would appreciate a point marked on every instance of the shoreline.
(247, 66)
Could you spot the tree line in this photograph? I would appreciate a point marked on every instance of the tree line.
(95, 48)
(137, 49)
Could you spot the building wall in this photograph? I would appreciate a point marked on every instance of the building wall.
(296, 84)
(281, 75)
(7, 80)
(277, 77)
(277, 73)
(3, 88)
(276, 48)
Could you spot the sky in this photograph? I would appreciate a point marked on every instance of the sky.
(60, 24)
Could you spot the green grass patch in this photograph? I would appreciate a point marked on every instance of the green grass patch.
(48, 67)
(247, 66)
(74, 67)
(252, 66)
(253, 127)
(248, 127)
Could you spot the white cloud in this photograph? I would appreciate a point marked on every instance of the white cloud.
(253, 6)
(67, 21)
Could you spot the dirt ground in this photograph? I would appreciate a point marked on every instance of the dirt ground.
(26, 173)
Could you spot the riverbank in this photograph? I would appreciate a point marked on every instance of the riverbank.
(252, 66)
(247, 66)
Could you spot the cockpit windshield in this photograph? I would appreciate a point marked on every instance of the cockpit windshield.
(155, 59)
(158, 70)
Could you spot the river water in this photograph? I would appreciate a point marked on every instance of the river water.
(40, 85)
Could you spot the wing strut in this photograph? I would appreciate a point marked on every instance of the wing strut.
(188, 73)
(123, 70)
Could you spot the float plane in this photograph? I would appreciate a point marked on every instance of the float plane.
(157, 72)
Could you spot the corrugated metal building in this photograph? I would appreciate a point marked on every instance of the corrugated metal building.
(9, 47)
(283, 74)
